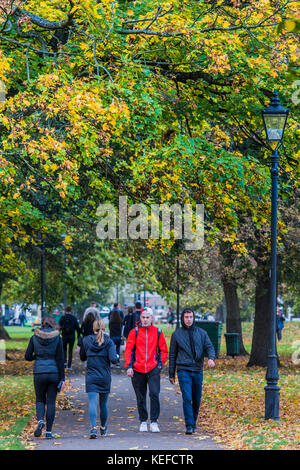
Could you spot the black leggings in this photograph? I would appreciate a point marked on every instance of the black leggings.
(45, 386)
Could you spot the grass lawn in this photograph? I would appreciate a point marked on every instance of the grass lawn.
(232, 407)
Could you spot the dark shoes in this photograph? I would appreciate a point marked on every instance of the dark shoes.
(39, 428)
(49, 435)
(103, 431)
(189, 430)
(93, 433)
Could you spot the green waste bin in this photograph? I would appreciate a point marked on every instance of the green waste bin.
(232, 344)
(214, 331)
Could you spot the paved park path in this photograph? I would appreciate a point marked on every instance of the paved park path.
(72, 426)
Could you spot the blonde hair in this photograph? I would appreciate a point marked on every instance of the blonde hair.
(99, 325)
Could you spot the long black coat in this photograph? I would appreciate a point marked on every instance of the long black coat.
(98, 374)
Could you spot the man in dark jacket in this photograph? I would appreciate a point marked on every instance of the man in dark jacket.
(188, 346)
(68, 325)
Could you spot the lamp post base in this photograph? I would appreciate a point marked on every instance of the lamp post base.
(272, 394)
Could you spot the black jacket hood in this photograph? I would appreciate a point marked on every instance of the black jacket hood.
(187, 309)
(91, 342)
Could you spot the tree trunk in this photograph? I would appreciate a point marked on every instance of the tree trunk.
(3, 333)
(260, 338)
(233, 318)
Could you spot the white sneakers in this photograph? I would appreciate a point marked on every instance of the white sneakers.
(153, 427)
(143, 427)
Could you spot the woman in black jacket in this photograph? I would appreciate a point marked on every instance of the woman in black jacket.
(99, 351)
(115, 329)
(45, 348)
(87, 325)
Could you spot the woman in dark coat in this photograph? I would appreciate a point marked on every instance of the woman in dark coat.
(115, 329)
(46, 349)
(87, 325)
(99, 351)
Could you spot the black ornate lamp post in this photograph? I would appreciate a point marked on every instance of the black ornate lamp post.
(274, 118)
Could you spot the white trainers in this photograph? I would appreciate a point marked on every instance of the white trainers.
(154, 427)
(143, 427)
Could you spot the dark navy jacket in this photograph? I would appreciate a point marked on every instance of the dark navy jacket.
(45, 348)
(98, 375)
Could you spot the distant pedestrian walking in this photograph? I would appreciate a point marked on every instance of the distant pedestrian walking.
(87, 325)
(92, 309)
(45, 348)
(99, 351)
(115, 328)
(68, 325)
(22, 319)
(170, 318)
(188, 346)
(146, 352)
(135, 316)
(127, 322)
(280, 319)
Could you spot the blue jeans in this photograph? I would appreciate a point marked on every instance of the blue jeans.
(191, 389)
(93, 403)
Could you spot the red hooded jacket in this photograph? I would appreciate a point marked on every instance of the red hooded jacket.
(141, 352)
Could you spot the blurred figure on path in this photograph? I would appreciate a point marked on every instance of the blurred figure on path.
(170, 319)
(92, 309)
(280, 319)
(68, 325)
(115, 329)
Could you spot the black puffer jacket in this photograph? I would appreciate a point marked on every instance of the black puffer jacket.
(98, 375)
(181, 355)
(45, 348)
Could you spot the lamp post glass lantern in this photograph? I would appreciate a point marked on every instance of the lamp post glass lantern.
(274, 118)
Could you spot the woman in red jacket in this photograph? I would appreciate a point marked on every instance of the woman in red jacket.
(145, 354)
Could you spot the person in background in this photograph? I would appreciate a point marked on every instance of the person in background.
(115, 330)
(127, 322)
(45, 348)
(145, 354)
(87, 325)
(187, 348)
(22, 319)
(68, 325)
(170, 319)
(99, 351)
(116, 309)
(92, 309)
(135, 318)
(280, 319)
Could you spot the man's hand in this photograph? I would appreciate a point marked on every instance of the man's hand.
(211, 363)
(130, 372)
(172, 380)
